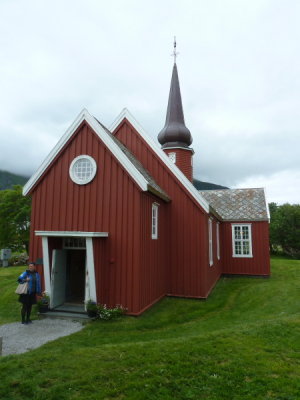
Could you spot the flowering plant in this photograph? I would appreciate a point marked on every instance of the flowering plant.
(43, 302)
(91, 308)
(106, 313)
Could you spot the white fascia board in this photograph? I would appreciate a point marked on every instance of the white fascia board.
(117, 152)
(108, 141)
(180, 148)
(71, 234)
(161, 154)
(27, 187)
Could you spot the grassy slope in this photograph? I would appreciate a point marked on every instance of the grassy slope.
(242, 343)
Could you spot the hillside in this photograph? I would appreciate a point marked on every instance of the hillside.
(8, 179)
(200, 185)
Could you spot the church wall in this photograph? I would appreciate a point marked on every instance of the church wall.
(214, 271)
(187, 227)
(110, 203)
(154, 260)
(259, 264)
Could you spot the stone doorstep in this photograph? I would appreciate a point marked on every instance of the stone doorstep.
(65, 315)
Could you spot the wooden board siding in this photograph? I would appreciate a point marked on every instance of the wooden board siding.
(187, 253)
(214, 271)
(110, 203)
(154, 259)
(183, 161)
(259, 264)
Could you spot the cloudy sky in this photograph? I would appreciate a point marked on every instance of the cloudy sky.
(239, 71)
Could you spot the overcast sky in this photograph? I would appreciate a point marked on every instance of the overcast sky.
(238, 68)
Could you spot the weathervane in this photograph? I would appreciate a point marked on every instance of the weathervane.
(175, 53)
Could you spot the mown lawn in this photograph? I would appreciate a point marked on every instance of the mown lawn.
(242, 343)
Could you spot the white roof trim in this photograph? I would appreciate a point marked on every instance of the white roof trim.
(267, 205)
(71, 234)
(109, 142)
(161, 154)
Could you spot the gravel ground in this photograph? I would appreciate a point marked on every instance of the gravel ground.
(18, 338)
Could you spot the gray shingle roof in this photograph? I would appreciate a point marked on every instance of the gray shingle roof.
(238, 204)
(152, 185)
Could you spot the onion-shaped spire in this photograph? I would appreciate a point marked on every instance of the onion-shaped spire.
(175, 133)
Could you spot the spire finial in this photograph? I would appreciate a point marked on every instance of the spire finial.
(175, 53)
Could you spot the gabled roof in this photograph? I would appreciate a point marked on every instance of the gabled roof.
(138, 173)
(125, 114)
(238, 204)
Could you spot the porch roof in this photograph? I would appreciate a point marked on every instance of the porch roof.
(71, 234)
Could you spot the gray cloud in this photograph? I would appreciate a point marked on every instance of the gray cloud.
(238, 69)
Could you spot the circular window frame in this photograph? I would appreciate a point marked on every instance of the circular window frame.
(72, 173)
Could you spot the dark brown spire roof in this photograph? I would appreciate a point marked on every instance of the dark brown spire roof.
(175, 133)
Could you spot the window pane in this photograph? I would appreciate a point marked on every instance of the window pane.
(246, 249)
(237, 232)
(245, 232)
(238, 247)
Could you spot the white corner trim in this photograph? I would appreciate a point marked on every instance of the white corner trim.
(46, 264)
(162, 155)
(70, 234)
(267, 204)
(108, 141)
(91, 268)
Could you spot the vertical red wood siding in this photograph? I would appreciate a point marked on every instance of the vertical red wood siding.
(187, 265)
(259, 264)
(214, 271)
(183, 161)
(110, 203)
(153, 255)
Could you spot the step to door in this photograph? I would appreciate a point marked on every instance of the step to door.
(81, 317)
(70, 308)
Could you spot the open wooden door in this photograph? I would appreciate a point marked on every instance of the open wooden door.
(58, 278)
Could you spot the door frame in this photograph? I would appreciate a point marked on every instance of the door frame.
(90, 264)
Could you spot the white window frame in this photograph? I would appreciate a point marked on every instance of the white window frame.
(210, 242)
(249, 226)
(218, 240)
(154, 221)
(172, 157)
(72, 171)
(74, 243)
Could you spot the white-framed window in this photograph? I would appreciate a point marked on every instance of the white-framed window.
(154, 225)
(241, 240)
(172, 157)
(210, 243)
(218, 239)
(83, 169)
(74, 243)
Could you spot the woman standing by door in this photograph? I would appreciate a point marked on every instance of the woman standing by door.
(34, 287)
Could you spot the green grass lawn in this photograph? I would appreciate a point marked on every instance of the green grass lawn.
(242, 343)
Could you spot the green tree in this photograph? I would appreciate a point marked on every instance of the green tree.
(285, 228)
(14, 219)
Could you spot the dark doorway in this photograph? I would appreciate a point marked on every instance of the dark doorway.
(75, 276)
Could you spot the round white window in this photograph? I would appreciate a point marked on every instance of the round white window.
(83, 169)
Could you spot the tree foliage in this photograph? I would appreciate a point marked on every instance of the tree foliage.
(14, 219)
(285, 229)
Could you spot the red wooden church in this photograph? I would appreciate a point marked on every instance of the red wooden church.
(116, 219)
